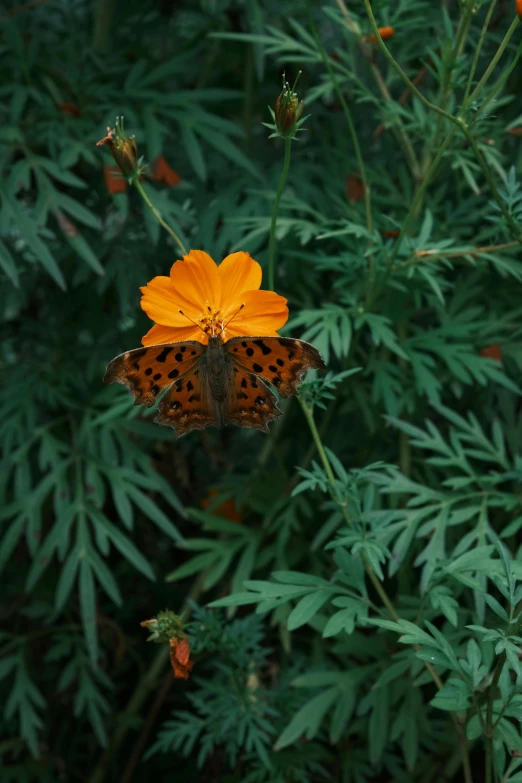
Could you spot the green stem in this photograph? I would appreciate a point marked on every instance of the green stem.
(145, 685)
(501, 81)
(513, 26)
(478, 50)
(420, 193)
(308, 412)
(515, 228)
(489, 718)
(353, 135)
(168, 229)
(445, 91)
(271, 243)
(379, 588)
(103, 15)
(395, 65)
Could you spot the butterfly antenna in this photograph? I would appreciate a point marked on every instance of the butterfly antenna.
(224, 326)
(192, 321)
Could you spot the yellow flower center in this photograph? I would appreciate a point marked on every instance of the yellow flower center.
(212, 321)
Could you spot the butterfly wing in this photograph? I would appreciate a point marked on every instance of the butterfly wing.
(147, 371)
(188, 404)
(249, 403)
(282, 361)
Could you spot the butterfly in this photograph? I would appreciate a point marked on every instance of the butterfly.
(216, 384)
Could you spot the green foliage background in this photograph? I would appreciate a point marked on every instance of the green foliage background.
(370, 594)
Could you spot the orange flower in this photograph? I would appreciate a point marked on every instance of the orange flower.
(114, 180)
(200, 299)
(492, 352)
(226, 510)
(180, 657)
(518, 7)
(161, 172)
(384, 32)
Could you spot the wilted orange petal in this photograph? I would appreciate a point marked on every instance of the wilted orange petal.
(226, 510)
(516, 131)
(238, 273)
(162, 172)
(263, 313)
(179, 657)
(69, 108)
(492, 352)
(354, 188)
(113, 179)
(197, 281)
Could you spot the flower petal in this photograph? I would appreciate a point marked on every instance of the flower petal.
(263, 313)
(238, 273)
(161, 303)
(159, 335)
(196, 280)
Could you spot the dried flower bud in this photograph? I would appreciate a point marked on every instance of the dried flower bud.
(288, 110)
(124, 150)
(168, 627)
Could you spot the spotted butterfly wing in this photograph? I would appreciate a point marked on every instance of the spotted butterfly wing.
(189, 404)
(249, 402)
(147, 371)
(282, 361)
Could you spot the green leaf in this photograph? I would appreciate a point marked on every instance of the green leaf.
(307, 607)
(88, 608)
(154, 513)
(308, 719)
(8, 265)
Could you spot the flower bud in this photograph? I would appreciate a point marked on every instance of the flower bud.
(124, 150)
(288, 110)
(168, 627)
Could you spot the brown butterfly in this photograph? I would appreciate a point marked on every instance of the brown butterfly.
(215, 384)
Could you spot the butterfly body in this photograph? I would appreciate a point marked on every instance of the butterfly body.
(216, 384)
(218, 368)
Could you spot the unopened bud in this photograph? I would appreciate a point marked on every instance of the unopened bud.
(124, 149)
(288, 110)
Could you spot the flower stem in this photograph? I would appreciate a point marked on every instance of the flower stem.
(354, 138)
(513, 26)
(168, 229)
(271, 243)
(478, 50)
(500, 81)
(489, 718)
(377, 584)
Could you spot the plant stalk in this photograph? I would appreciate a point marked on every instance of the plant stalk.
(168, 229)
(271, 243)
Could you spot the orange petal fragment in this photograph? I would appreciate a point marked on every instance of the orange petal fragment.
(385, 33)
(162, 172)
(179, 657)
(354, 188)
(114, 180)
(492, 352)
